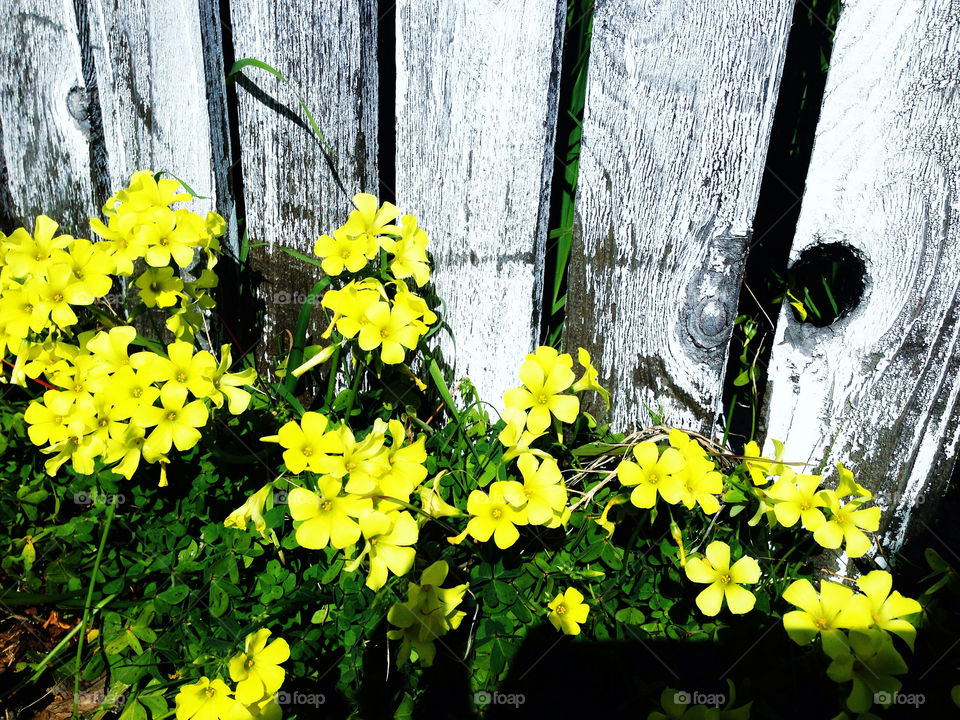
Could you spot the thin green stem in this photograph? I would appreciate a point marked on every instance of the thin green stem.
(111, 509)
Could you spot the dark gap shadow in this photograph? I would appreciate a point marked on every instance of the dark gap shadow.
(573, 65)
(387, 99)
(784, 177)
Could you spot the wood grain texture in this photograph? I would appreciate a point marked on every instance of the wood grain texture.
(45, 128)
(679, 108)
(476, 120)
(879, 388)
(151, 78)
(327, 49)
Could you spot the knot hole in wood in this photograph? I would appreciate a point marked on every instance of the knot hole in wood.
(830, 280)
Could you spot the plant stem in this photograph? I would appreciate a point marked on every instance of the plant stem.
(111, 509)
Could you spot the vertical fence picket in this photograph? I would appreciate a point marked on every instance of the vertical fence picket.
(45, 130)
(154, 90)
(679, 107)
(476, 118)
(880, 388)
(327, 49)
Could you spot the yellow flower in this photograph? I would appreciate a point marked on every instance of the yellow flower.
(819, 615)
(797, 499)
(230, 385)
(327, 517)
(251, 510)
(175, 423)
(498, 513)
(434, 505)
(846, 485)
(387, 539)
(186, 370)
(159, 287)
(724, 580)
(429, 612)
(257, 670)
(405, 469)
(59, 291)
(205, 700)
(541, 391)
(310, 446)
(652, 473)
(761, 468)
(110, 348)
(878, 608)
(132, 389)
(846, 524)
(544, 489)
(369, 219)
(514, 438)
(390, 329)
(409, 252)
(590, 378)
(126, 446)
(568, 611)
(363, 460)
(30, 255)
(344, 251)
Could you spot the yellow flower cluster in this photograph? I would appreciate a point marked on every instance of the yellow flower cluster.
(361, 492)
(107, 403)
(682, 473)
(101, 399)
(257, 672)
(541, 497)
(141, 224)
(429, 612)
(832, 520)
(856, 631)
(385, 315)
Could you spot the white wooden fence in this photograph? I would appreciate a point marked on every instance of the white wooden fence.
(680, 101)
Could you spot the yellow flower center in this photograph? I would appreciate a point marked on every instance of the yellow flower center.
(155, 287)
(822, 623)
(307, 451)
(345, 253)
(326, 505)
(58, 297)
(137, 392)
(725, 579)
(249, 663)
(181, 376)
(839, 519)
(804, 505)
(542, 399)
(496, 513)
(653, 479)
(103, 422)
(373, 541)
(209, 691)
(172, 415)
(28, 308)
(561, 609)
(384, 333)
(58, 419)
(78, 388)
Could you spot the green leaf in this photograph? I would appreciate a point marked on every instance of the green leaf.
(219, 600)
(175, 595)
(630, 616)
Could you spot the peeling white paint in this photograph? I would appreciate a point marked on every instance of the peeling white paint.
(878, 389)
(476, 114)
(679, 108)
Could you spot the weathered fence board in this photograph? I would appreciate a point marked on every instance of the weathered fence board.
(679, 107)
(45, 151)
(879, 389)
(153, 89)
(328, 51)
(476, 118)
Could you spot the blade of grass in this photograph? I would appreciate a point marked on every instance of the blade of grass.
(239, 65)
